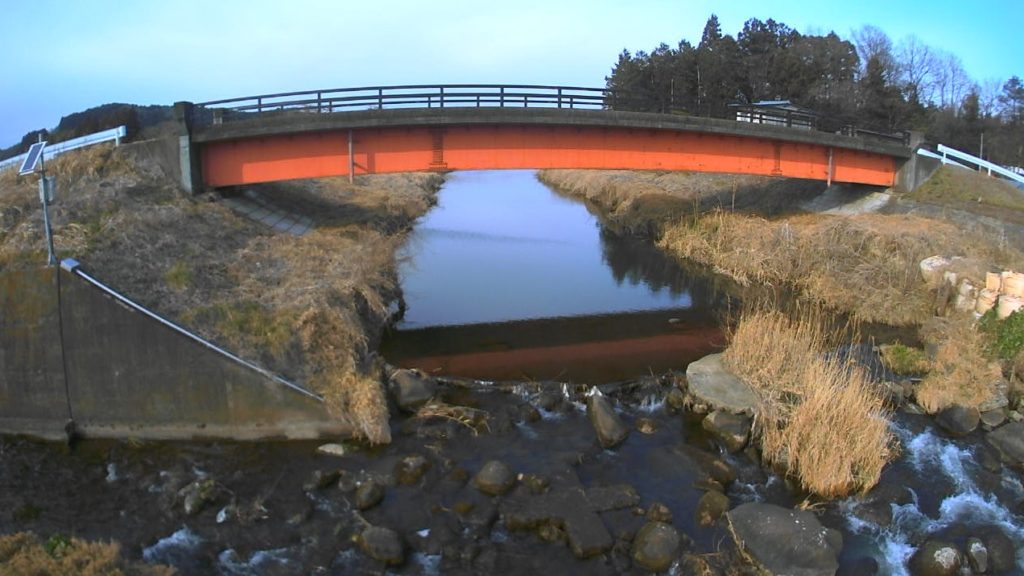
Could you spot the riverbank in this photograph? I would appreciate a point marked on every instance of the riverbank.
(251, 287)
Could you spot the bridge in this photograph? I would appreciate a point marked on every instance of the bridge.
(355, 131)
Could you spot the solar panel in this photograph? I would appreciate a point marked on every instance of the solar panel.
(32, 159)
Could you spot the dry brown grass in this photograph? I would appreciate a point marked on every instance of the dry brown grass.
(865, 265)
(472, 418)
(643, 203)
(310, 308)
(23, 554)
(820, 416)
(961, 372)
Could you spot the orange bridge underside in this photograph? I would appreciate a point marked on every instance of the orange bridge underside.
(492, 147)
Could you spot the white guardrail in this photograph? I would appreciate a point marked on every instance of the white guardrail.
(59, 148)
(945, 152)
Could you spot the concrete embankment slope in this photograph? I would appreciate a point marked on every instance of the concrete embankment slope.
(73, 351)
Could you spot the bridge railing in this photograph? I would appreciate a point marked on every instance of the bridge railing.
(413, 96)
(495, 95)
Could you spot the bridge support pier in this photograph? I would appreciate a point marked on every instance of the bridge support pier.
(188, 155)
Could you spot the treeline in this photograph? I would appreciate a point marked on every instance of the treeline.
(134, 118)
(867, 81)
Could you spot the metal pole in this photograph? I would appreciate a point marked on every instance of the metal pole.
(51, 257)
(351, 160)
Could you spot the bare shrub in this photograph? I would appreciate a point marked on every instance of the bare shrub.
(820, 416)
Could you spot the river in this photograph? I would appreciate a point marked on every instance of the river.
(552, 297)
(505, 279)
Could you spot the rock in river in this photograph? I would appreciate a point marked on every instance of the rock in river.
(411, 390)
(1009, 440)
(656, 546)
(732, 430)
(609, 427)
(711, 506)
(382, 544)
(710, 383)
(785, 541)
(494, 479)
(958, 420)
(369, 494)
(936, 558)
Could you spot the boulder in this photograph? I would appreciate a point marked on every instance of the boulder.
(711, 506)
(1009, 441)
(977, 555)
(331, 449)
(936, 558)
(197, 495)
(609, 427)
(993, 418)
(1002, 552)
(550, 400)
(369, 494)
(786, 541)
(958, 420)
(675, 400)
(710, 383)
(658, 512)
(410, 469)
(656, 546)
(320, 479)
(382, 544)
(731, 430)
(411, 390)
(495, 478)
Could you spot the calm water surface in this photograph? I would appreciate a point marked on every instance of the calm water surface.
(506, 279)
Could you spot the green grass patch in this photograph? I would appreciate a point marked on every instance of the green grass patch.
(956, 186)
(904, 360)
(179, 276)
(247, 325)
(1005, 337)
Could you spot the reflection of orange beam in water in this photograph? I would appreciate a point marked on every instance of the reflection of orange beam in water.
(597, 361)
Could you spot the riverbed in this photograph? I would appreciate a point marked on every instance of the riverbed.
(527, 358)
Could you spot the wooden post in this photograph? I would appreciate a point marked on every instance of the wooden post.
(351, 159)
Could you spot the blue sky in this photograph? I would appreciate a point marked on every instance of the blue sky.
(64, 56)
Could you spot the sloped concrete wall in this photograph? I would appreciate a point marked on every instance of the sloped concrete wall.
(33, 396)
(71, 350)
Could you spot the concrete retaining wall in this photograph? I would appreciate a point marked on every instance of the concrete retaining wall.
(71, 351)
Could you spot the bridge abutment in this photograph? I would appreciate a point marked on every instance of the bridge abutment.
(191, 173)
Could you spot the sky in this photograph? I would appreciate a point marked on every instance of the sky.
(61, 57)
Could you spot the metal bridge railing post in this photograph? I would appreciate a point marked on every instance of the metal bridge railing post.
(442, 97)
(380, 98)
(502, 97)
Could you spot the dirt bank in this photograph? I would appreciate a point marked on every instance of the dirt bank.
(309, 307)
(644, 203)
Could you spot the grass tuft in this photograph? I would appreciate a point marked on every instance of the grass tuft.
(24, 553)
(904, 360)
(962, 372)
(820, 416)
